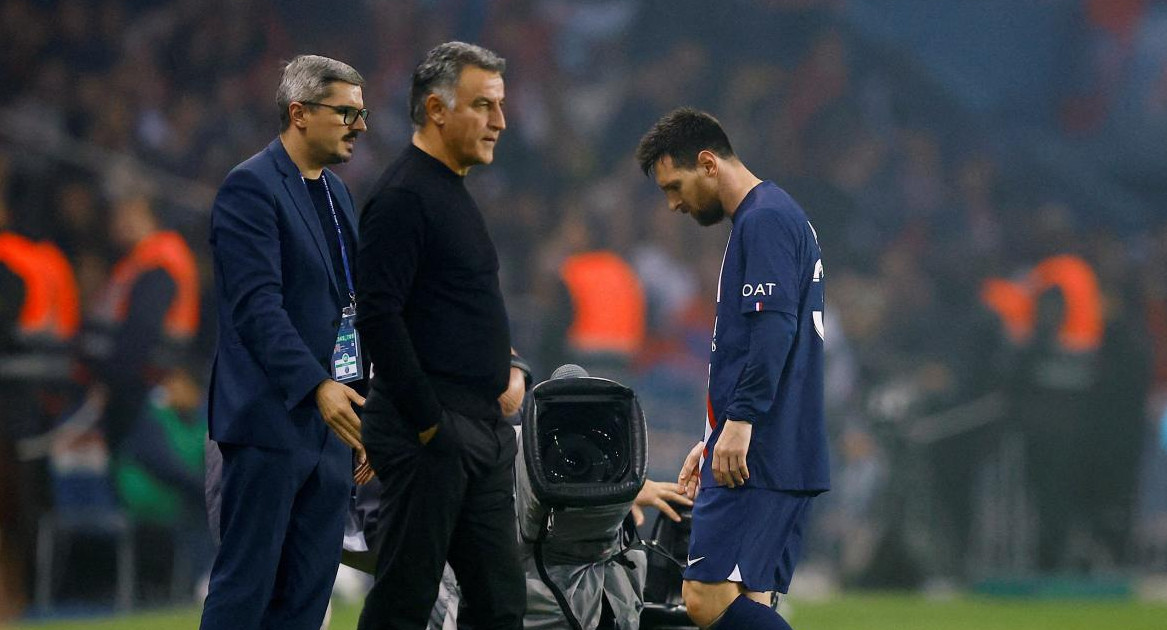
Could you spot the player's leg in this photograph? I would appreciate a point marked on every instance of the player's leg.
(729, 606)
(743, 546)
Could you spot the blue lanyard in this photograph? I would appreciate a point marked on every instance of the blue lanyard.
(348, 275)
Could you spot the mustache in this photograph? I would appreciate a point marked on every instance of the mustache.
(352, 135)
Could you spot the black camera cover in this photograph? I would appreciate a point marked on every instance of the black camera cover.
(585, 442)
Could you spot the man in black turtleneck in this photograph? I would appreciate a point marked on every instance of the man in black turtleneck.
(432, 319)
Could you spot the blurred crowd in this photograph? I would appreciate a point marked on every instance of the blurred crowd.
(934, 232)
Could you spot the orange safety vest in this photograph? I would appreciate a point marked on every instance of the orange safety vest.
(1082, 327)
(166, 251)
(1013, 304)
(24, 258)
(65, 294)
(609, 303)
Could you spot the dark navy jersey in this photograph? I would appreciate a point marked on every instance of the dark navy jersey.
(766, 364)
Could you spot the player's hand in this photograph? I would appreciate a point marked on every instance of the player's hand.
(659, 494)
(690, 477)
(427, 435)
(364, 473)
(335, 402)
(512, 398)
(729, 455)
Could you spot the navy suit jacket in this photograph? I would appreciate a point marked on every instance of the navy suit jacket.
(278, 303)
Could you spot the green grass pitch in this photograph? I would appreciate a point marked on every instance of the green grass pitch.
(846, 612)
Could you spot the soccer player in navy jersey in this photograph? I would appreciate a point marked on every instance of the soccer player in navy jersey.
(764, 453)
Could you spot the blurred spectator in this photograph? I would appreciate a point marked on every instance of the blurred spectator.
(608, 308)
(1118, 427)
(146, 315)
(159, 477)
(668, 279)
(39, 314)
(159, 468)
(13, 285)
(1055, 375)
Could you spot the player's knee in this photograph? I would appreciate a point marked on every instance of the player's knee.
(702, 602)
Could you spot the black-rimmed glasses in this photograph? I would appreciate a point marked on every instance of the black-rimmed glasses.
(349, 114)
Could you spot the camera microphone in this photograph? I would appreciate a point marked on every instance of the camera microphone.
(569, 370)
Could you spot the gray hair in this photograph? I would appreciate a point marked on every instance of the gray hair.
(438, 74)
(309, 78)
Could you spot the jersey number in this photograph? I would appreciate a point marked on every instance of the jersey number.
(817, 288)
(817, 293)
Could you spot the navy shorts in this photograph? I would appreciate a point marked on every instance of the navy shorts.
(747, 535)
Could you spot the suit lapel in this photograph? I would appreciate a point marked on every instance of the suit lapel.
(298, 191)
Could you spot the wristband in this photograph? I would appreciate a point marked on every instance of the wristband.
(518, 362)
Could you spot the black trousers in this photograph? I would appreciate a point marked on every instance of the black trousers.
(451, 500)
(1053, 425)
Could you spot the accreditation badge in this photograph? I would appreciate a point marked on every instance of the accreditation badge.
(346, 355)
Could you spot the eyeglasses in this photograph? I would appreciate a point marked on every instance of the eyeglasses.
(348, 113)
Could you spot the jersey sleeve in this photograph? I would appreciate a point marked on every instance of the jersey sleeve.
(770, 248)
(771, 337)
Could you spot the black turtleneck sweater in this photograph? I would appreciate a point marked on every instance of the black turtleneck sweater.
(429, 308)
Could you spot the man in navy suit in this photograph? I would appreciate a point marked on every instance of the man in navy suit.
(283, 237)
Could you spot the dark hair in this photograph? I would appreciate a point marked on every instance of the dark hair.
(439, 72)
(681, 134)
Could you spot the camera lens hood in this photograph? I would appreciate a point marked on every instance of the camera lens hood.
(584, 443)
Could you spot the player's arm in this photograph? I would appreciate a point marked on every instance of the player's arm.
(771, 337)
(392, 230)
(689, 479)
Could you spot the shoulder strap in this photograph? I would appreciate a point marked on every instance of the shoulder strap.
(555, 590)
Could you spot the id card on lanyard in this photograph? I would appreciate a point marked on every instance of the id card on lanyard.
(346, 356)
(346, 353)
